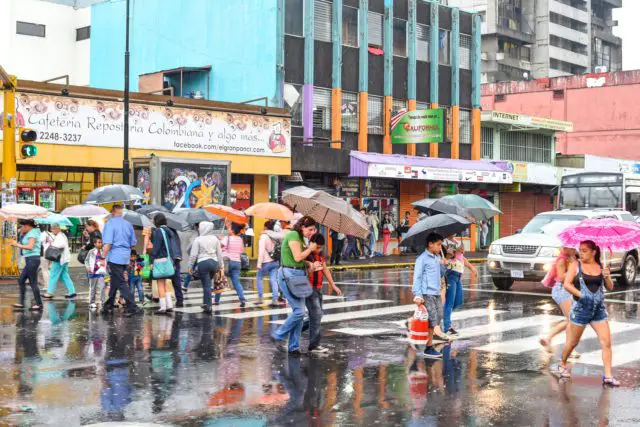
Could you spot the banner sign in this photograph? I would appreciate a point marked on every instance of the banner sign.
(437, 174)
(526, 121)
(418, 127)
(77, 121)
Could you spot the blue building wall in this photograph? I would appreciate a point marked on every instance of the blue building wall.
(237, 38)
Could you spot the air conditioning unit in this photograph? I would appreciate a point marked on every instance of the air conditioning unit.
(601, 69)
(499, 56)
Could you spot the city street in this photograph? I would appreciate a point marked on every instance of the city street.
(69, 367)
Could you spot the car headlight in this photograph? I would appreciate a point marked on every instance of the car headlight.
(495, 249)
(549, 252)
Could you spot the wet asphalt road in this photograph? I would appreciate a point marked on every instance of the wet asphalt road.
(69, 367)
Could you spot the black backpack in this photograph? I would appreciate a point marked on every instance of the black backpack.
(277, 249)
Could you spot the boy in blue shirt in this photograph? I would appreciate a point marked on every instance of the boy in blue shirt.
(427, 278)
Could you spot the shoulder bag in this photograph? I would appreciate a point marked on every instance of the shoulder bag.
(298, 286)
(163, 267)
(53, 254)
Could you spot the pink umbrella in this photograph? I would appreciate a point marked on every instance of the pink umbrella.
(608, 233)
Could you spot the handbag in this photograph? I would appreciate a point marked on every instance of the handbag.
(219, 282)
(82, 256)
(298, 286)
(53, 254)
(146, 269)
(163, 267)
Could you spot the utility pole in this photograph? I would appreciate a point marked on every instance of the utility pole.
(125, 161)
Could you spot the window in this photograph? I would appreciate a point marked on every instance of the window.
(465, 127)
(486, 143)
(350, 26)
(398, 106)
(526, 147)
(296, 109)
(422, 105)
(349, 111)
(29, 29)
(375, 115)
(465, 51)
(376, 35)
(422, 42)
(444, 57)
(322, 108)
(400, 37)
(293, 17)
(322, 21)
(83, 33)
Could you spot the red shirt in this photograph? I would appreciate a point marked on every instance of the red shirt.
(316, 277)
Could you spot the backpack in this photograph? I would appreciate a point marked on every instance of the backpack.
(276, 253)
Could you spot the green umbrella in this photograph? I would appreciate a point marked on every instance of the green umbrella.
(54, 218)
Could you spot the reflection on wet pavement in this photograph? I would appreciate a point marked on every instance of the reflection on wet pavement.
(68, 366)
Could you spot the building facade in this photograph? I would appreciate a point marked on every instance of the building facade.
(524, 39)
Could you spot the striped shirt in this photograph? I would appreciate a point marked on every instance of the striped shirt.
(232, 247)
(315, 277)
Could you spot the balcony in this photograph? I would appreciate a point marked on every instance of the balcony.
(565, 55)
(517, 30)
(613, 3)
(607, 36)
(510, 61)
(568, 33)
(570, 12)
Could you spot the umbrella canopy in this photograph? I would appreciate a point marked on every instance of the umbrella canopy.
(271, 211)
(84, 211)
(195, 216)
(147, 209)
(229, 213)
(444, 224)
(327, 210)
(174, 221)
(54, 218)
(424, 205)
(431, 206)
(23, 211)
(608, 233)
(136, 219)
(477, 207)
(117, 193)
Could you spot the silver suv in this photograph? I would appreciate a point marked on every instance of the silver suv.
(530, 253)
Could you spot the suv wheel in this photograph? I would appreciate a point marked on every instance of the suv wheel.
(502, 283)
(629, 271)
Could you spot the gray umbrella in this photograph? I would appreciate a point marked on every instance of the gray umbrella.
(174, 221)
(194, 216)
(443, 206)
(477, 207)
(147, 209)
(444, 224)
(118, 193)
(136, 219)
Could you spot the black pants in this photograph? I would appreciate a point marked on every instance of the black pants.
(336, 252)
(30, 273)
(314, 306)
(176, 281)
(119, 282)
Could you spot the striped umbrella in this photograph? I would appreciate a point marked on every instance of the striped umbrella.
(328, 210)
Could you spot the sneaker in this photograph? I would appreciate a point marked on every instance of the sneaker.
(185, 290)
(319, 350)
(295, 353)
(259, 302)
(134, 311)
(207, 310)
(47, 296)
(93, 306)
(179, 304)
(610, 381)
(432, 353)
(452, 332)
(561, 371)
(160, 311)
(243, 304)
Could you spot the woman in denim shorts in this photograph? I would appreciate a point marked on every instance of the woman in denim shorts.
(586, 281)
(561, 296)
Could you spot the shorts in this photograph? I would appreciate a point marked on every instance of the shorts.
(433, 304)
(560, 294)
(586, 311)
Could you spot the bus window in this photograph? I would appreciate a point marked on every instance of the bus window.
(633, 203)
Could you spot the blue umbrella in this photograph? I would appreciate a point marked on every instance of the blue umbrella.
(54, 218)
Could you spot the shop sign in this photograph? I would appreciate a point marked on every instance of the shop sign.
(418, 127)
(525, 120)
(347, 187)
(441, 190)
(78, 121)
(519, 171)
(516, 187)
(438, 174)
(380, 188)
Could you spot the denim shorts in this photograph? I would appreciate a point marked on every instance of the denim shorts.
(433, 304)
(588, 310)
(560, 294)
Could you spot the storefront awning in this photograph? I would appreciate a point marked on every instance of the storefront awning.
(374, 165)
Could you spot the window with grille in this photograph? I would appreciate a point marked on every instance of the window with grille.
(322, 21)
(375, 115)
(465, 51)
(83, 33)
(422, 42)
(322, 108)
(400, 37)
(376, 35)
(526, 147)
(350, 26)
(422, 106)
(30, 29)
(465, 127)
(293, 19)
(349, 112)
(397, 106)
(486, 143)
(443, 45)
(296, 109)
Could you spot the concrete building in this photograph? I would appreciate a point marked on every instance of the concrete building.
(40, 40)
(523, 39)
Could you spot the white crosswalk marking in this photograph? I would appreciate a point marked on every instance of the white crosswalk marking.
(507, 325)
(363, 332)
(622, 354)
(351, 315)
(531, 343)
(344, 304)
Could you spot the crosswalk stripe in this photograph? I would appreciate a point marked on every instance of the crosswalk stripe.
(622, 354)
(231, 296)
(351, 315)
(363, 332)
(507, 325)
(344, 304)
(522, 345)
(461, 315)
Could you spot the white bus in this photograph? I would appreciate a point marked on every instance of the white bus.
(592, 190)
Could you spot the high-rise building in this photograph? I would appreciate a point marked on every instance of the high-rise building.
(523, 39)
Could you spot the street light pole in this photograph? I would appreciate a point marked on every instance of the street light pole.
(125, 162)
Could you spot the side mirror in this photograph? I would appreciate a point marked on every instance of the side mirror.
(519, 230)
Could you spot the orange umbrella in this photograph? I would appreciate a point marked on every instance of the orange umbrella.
(271, 211)
(227, 212)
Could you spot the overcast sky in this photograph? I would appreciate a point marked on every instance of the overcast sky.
(629, 30)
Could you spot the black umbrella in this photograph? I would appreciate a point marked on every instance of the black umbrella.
(136, 219)
(147, 209)
(118, 193)
(174, 221)
(195, 216)
(444, 224)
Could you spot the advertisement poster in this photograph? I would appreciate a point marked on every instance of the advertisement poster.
(77, 121)
(243, 196)
(185, 185)
(142, 176)
(418, 127)
(438, 174)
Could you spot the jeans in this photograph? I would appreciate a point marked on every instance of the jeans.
(118, 274)
(206, 269)
(96, 283)
(186, 280)
(453, 298)
(292, 327)
(268, 269)
(135, 282)
(60, 272)
(176, 281)
(314, 306)
(234, 273)
(336, 252)
(30, 273)
(351, 248)
(365, 247)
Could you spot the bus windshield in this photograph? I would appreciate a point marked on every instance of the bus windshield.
(592, 196)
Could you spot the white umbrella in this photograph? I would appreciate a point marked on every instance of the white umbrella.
(23, 211)
(84, 211)
(335, 213)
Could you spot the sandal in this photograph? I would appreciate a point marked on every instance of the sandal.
(18, 306)
(36, 308)
(610, 381)
(562, 372)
